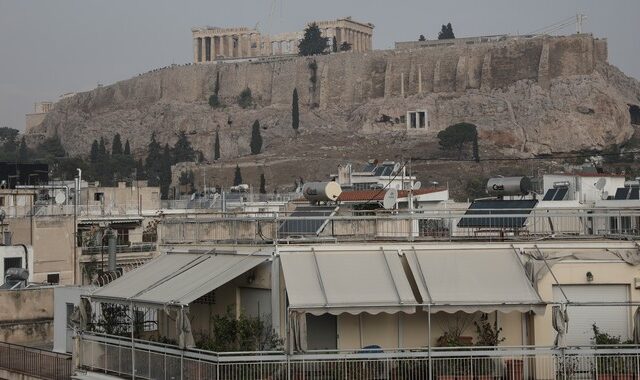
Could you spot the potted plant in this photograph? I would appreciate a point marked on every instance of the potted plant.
(454, 368)
(611, 367)
(488, 336)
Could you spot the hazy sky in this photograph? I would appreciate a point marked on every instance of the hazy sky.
(50, 47)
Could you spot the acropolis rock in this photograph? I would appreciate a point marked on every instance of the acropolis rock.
(526, 95)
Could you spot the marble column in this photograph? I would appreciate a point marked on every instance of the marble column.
(223, 46)
(207, 49)
(216, 47)
(229, 43)
(196, 49)
(202, 50)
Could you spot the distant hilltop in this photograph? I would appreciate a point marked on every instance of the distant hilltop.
(529, 95)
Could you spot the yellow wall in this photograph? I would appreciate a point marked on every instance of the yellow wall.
(574, 273)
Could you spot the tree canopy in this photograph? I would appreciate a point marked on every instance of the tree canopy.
(237, 176)
(454, 137)
(446, 32)
(313, 43)
(345, 46)
(422, 38)
(182, 150)
(216, 147)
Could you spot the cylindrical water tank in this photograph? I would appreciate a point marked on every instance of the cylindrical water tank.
(508, 186)
(321, 191)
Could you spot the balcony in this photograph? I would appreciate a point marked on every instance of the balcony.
(123, 357)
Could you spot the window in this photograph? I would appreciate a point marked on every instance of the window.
(53, 278)
(417, 120)
(70, 308)
(12, 262)
(1, 201)
(98, 197)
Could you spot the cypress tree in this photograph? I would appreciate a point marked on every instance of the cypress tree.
(334, 44)
(237, 177)
(153, 161)
(216, 147)
(295, 111)
(102, 148)
(94, 156)
(116, 145)
(127, 148)
(256, 138)
(263, 187)
(476, 150)
(23, 151)
(183, 151)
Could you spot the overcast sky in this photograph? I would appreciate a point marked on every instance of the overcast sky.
(49, 47)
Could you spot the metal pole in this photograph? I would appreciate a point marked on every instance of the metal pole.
(429, 341)
(133, 343)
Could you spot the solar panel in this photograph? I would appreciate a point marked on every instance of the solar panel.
(560, 194)
(548, 196)
(497, 207)
(635, 193)
(621, 193)
(301, 226)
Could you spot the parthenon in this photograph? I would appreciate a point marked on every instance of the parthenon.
(212, 44)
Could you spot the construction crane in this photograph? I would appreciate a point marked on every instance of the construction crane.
(576, 20)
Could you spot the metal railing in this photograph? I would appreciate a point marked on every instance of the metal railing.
(133, 248)
(35, 362)
(156, 361)
(404, 226)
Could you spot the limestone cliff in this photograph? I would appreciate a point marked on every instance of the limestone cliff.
(527, 96)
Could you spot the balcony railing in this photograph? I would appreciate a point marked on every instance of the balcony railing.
(155, 361)
(134, 248)
(423, 225)
(34, 362)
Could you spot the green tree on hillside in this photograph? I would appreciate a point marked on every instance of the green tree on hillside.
(446, 32)
(345, 46)
(182, 150)
(422, 38)
(454, 137)
(116, 145)
(245, 100)
(237, 176)
(94, 155)
(312, 43)
(334, 45)
(216, 147)
(256, 138)
(295, 111)
(23, 151)
(153, 162)
(127, 148)
(263, 185)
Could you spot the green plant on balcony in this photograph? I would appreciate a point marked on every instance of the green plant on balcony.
(488, 336)
(455, 368)
(609, 367)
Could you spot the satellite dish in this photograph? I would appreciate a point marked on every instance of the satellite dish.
(416, 185)
(605, 195)
(60, 197)
(390, 199)
(600, 183)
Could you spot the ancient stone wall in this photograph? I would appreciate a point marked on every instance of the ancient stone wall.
(504, 87)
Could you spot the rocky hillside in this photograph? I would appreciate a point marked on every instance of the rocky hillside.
(527, 97)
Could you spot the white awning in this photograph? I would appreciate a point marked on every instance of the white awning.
(346, 281)
(471, 280)
(177, 278)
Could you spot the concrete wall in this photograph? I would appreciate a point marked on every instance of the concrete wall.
(26, 316)
(52, 241)
(123, 199)
(62, 296)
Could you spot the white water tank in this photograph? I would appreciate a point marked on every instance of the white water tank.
(500, 186)
(321, 191)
